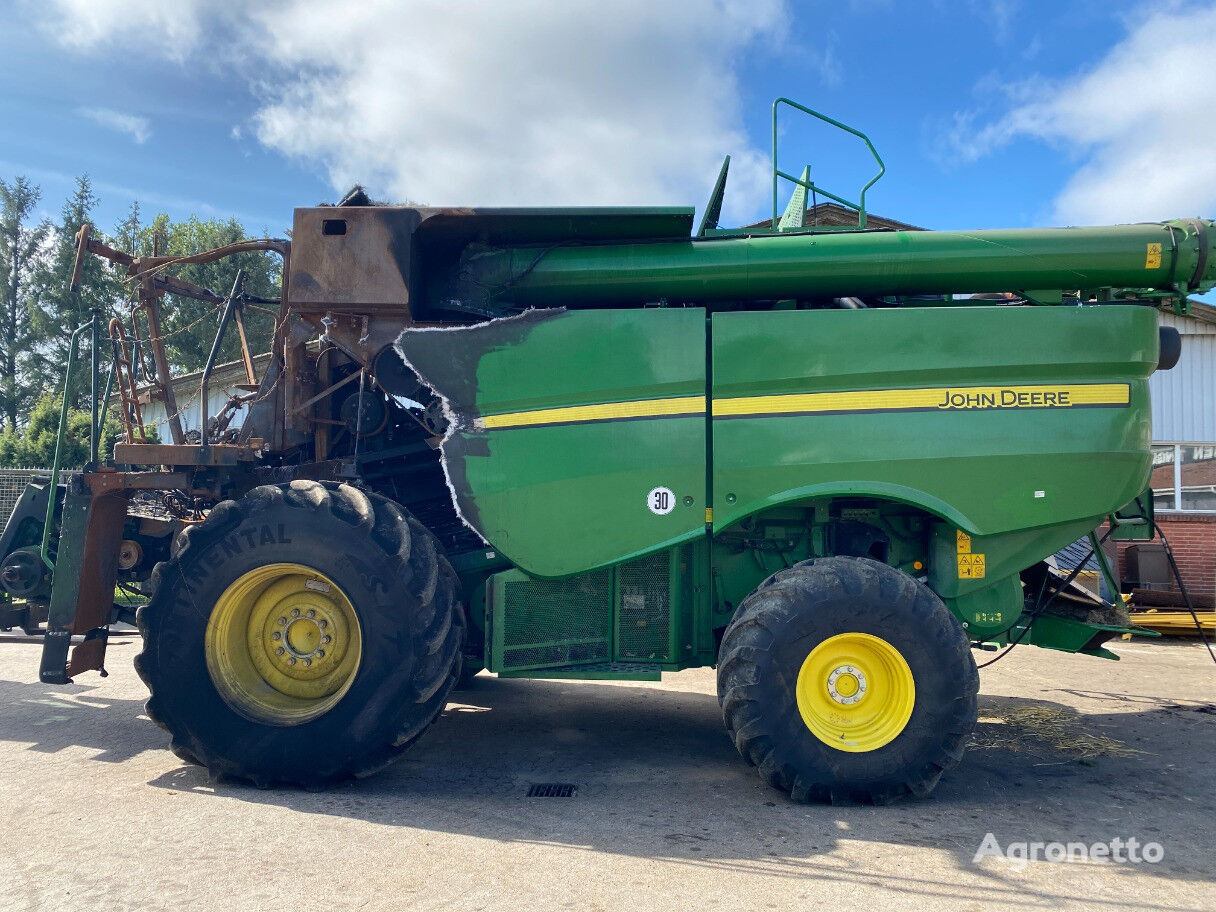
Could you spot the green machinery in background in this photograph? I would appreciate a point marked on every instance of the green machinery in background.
(595, 443)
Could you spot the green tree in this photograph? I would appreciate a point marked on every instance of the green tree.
(57, 310)
(20, 246)
(33, 446)
(189, 326)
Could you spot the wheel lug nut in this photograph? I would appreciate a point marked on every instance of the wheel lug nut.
(324, 624)
(295, 612)
(320, 653)
(280, 651)
(276, 636)
(326, 639)
(282, 622)
(308, 661)
(312, 612)
(291, 660)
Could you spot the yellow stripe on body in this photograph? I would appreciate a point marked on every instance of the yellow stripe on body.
(937, 398)
(609, 411)
(934, 398)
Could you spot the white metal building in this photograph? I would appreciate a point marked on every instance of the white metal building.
(221, 387)
(1184, 417)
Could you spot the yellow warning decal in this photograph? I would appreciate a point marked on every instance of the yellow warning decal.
(709, 515)
(1152, 257)
(964, 542)
(970, 566)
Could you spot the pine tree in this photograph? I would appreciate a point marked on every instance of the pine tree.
(58, 310)
(20, 246)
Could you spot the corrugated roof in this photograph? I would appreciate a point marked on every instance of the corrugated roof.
(1069, 556)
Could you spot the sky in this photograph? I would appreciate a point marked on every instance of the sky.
(1006, 113)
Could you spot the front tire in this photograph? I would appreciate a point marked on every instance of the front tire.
(844, 680)
(304, 634)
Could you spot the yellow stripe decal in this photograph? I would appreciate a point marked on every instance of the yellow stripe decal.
(942, 398)
(937, 398)
(609, 411)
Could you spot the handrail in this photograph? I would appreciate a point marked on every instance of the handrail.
(860, 206)
(53, 499)
(97, 412)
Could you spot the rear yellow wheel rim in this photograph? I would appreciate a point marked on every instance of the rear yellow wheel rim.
(855, 692)
(283, 644)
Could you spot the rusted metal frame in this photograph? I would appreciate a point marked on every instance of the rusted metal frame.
(221, 421)
(138, 267)
(132, 413)
(153, 283)
(350, 378)
(238, 317)
(99, 575)
(86, 243)
(216, 455)
(150, 305)
(86, 572)
(141, 265)
(321, 430)
(175, 285)
(105, 482)
(233, 303)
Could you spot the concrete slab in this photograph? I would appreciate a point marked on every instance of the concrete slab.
(95, 813)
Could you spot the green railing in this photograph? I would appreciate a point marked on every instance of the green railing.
(860, 205)
(97, 412)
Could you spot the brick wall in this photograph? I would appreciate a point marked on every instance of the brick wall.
(1193, 538)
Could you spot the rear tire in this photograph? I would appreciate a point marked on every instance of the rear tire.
(219, 683)
(844, 680)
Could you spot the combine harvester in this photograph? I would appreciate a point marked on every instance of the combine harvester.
(597, 444)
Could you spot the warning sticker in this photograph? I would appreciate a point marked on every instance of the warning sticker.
(1152, 257)
(970, 566)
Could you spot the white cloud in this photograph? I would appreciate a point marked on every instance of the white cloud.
(133, 125)
(505, 103)
(1140, 121)
(84, 24)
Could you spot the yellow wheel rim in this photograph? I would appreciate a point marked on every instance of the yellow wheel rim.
(855, 692)
(283, 644)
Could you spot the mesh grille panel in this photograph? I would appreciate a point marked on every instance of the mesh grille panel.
(645, 609)
(557, 622)
(12, 484)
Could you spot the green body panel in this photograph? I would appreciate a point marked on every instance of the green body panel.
(566, 501)
(988, 611)
(568, 497)
(1070, 635)
(988, 471)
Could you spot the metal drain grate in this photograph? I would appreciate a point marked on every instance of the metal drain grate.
(552, 790)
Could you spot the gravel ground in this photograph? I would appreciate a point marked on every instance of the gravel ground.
(96, 814)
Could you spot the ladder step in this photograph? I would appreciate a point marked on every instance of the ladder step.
(602, 671)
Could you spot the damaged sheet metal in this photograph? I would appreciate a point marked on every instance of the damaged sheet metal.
(446, 359)
(585, 427)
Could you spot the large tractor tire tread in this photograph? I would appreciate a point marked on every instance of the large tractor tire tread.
(816, 772)
(434, 625)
